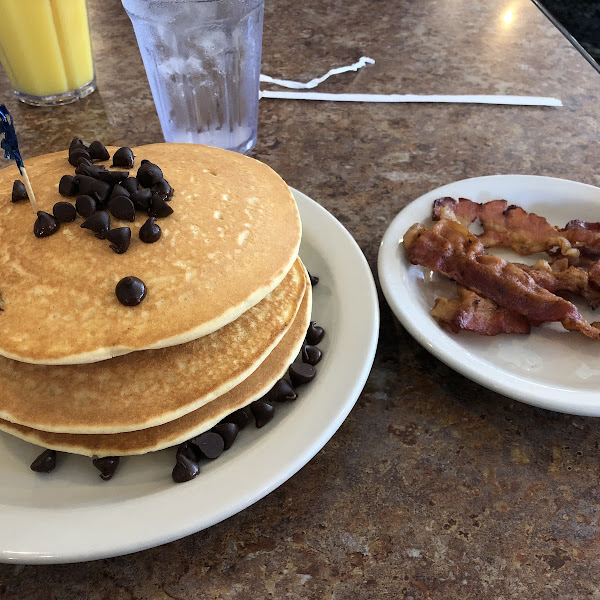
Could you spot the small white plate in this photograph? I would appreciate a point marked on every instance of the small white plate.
(71, 515)
(550, 368)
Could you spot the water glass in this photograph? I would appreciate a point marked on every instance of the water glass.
(202, 59)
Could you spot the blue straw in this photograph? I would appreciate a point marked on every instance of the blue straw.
(9, 144)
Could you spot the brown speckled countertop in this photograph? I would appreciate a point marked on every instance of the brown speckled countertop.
(434, 487)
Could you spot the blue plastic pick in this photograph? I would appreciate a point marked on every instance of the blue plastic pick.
(10, 144)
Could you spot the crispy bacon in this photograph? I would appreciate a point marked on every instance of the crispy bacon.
(559, 276)
(471, 312)
(451, 249)
(503, 225)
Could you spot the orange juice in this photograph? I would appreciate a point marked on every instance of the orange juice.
(45, 49)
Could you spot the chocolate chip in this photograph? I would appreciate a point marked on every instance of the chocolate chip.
(282, 391)
(99, 223)
(88, 186)
(130, 184)
(122, 208)
(130, 291)
(142, 199)
(314, 333)
(113, 177)
(311, 354)
(77, 155)
(190, 451)
(228, 431)
(67, 186)
(211, 444)
(262, 411)
(313, 278)
(184, 469)
(160, 207)
(85, 167)
(45, 224)
(301, 373)
(107, 465)
(150, 232)
(85, 206)
(77, 143)
(98, 151)
(45, 462)
(64, 211)
(120, 238)
(117, 191)
(19, 192)
(240, 417)
(162, 188)
(123, 157)
(148, 174)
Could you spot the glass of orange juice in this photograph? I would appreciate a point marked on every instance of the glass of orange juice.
(45, 50)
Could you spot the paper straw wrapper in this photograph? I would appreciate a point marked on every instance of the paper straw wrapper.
(365, 60)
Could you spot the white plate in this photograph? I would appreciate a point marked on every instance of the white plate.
(71, 515)
(550, 368)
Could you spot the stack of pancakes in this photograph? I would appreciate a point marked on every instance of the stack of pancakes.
(227, 307)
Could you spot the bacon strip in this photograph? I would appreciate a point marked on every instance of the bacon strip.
(449, 248)
(471, 312)
(559, 276)
(505, 226)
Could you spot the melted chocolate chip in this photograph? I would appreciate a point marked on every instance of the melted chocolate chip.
(240, 417)
(99, 223)
(228, 431)
(311, 354)
(67, 186)
(262, 411)
(45, 224)
(313, 279)
(113, 177)
(211, 444)
(120, 238)
(122, 208)
(117, 191)
(77, 155)
(142, 199)
(107, 465)
(19, 192)
(89, 186)
(150, 232)
(148, 174)
(184, 469)
(282, 391)
(160, 207)
(301, 373)
(64, 211)
(314, 333)
(98, 151)
(123, 157)
(45, 462)
(85, 206)
(162, 188)
(130, 291)
(130, 184)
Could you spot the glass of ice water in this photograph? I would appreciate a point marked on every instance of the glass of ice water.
(202, 59)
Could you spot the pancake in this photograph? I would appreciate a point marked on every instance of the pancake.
(194, 423)
(148, 388)
(233, 236)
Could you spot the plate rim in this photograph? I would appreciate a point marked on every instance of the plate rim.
(448, 348)
(135, 535)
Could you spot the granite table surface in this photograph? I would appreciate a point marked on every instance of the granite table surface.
(434, 487)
